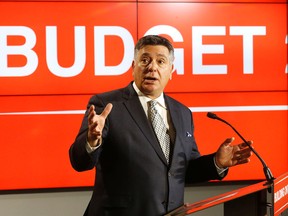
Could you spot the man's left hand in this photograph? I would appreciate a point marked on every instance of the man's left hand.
(231, 155)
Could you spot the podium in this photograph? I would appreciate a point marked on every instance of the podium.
(260, 199)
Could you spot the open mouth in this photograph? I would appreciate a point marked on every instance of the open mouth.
(150, 78)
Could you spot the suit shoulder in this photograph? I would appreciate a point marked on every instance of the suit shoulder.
(112, 96)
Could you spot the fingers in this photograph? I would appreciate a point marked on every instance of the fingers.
(245, 145)
(107, 110)
(228, 141)
(230, 155)
(243, 157)
(242, 154)
(242, 161)
(91, 114)
(246, 152)
(94, 120)
(104, 114)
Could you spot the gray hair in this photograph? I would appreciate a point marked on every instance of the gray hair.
(154, 40)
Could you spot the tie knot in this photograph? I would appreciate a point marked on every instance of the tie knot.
(153, 104)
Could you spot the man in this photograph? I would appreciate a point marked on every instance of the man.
(134, 176)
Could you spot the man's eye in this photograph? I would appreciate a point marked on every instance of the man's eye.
(161, 61)
(145, 61)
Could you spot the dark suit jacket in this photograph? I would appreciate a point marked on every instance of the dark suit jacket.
(132, 175)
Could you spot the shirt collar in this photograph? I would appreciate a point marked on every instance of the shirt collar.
(160, 100)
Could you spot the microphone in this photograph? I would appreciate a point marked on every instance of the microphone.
(267, 171)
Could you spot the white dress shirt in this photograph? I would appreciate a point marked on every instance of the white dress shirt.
(160, 107)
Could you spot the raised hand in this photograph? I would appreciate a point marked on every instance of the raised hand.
(96, 124)
(229, 155)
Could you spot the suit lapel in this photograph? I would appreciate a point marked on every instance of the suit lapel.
(174, 113)
(135, 109)
(175, 119)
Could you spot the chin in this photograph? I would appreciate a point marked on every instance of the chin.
(153, 93)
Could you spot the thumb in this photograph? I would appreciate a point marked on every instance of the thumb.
(228, 141)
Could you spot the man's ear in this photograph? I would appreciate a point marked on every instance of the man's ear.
(133, 66)
(172, 70)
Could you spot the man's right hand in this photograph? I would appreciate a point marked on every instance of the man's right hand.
(96, 124)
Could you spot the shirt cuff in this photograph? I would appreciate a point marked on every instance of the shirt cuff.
(91, 149)
(220, 170)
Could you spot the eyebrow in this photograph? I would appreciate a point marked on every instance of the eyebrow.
(158, 55)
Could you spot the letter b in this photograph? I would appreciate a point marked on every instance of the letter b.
(24, 49)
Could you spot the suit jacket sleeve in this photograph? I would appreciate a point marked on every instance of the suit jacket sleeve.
(203, 169)
(80, 159)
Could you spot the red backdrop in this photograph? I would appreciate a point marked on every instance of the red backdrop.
(55, 55)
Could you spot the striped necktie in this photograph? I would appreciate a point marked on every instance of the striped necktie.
(159, 127)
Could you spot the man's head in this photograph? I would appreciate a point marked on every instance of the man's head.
(152, 64)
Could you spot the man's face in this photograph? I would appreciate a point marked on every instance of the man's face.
(152, 69)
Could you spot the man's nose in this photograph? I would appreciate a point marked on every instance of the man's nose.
(152, 66)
